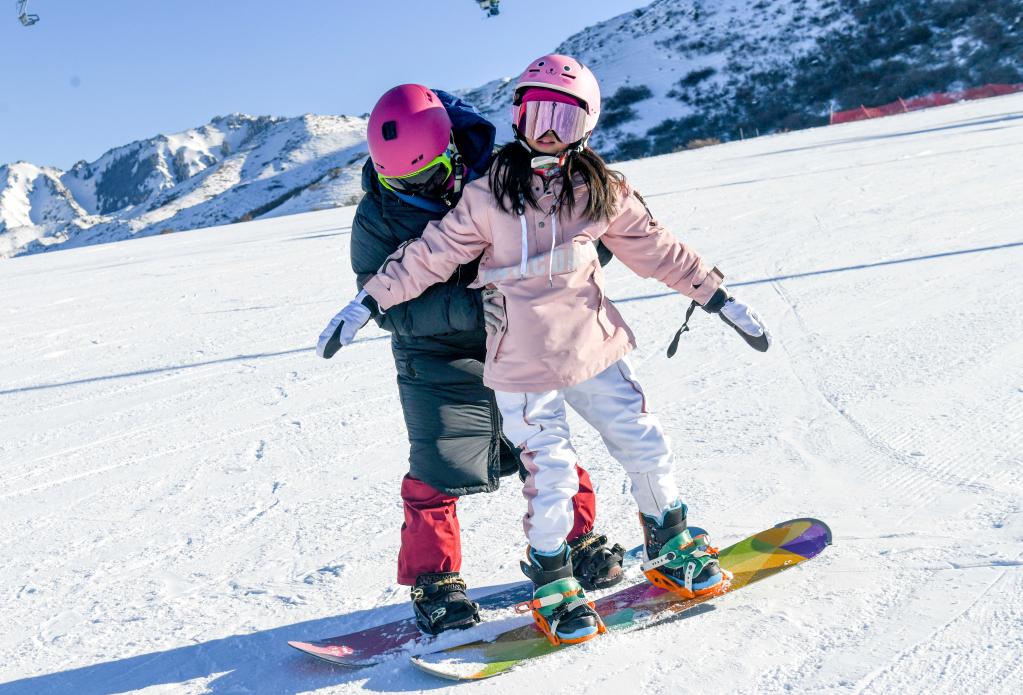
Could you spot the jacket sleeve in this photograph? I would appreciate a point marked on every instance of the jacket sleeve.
(420, 263)
(651, 251)
(443, 308)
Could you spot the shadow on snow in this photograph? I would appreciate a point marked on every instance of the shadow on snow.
(258, 662)
(174, 368)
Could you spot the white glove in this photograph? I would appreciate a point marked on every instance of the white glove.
(747, 323)
(342, 328)
(494, 314)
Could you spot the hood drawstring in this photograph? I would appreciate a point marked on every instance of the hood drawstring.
(523, 262)
(554, 237)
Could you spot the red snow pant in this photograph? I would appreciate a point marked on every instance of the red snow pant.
(431, 538)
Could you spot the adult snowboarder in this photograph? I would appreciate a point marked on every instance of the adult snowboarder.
(425, 146)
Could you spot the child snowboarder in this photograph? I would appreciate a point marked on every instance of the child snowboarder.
(424, 145)
(559, 340)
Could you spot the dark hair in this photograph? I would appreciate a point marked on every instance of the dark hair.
(511, 182)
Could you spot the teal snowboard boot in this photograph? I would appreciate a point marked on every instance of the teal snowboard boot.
(559, 605)
(678, 562)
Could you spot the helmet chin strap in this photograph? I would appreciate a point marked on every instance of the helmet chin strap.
(541, 160)
(547, 161)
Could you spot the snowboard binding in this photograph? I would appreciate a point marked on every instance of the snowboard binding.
(440, 603)
(594, 564)
(678, 562)
(559, 605)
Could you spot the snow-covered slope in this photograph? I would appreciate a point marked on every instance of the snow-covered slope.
(185, 485)
(234, 168)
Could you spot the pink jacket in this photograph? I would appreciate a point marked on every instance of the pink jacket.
(561, 329)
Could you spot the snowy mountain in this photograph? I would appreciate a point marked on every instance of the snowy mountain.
(676, 71)
(32, 199)
(232, 169)
(674, 74)
(185, 486)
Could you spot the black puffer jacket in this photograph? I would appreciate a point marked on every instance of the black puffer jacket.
(437, 339)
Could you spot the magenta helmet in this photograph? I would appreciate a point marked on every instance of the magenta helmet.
(407, 128)
(562, 74)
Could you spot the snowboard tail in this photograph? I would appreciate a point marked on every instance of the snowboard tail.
(751, 560)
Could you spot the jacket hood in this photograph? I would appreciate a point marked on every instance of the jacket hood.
(474, 134)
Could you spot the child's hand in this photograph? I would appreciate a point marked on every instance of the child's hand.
(342, 328)
(740, 316)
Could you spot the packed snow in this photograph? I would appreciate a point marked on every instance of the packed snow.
(185, 486)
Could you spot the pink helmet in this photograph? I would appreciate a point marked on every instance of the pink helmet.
(563, 74)
(407, 128)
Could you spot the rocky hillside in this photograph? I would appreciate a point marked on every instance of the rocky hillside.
(675, 72)
(234, 168)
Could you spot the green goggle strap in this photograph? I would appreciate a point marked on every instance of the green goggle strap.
(443, 158)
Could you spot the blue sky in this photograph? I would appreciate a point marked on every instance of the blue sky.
(94, 74)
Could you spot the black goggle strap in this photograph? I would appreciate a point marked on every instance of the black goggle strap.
(458, 170)
(685, 327)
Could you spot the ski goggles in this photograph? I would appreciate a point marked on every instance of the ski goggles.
(568, 121)
(431, 179)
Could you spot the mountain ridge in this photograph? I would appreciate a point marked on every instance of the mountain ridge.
(674, 75)
(234, 168)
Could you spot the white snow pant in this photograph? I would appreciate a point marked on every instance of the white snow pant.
(613, 403)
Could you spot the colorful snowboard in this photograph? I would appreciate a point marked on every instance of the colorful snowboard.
(377, 644)
(642, 605)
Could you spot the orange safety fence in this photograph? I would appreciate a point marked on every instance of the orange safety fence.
(924, 102)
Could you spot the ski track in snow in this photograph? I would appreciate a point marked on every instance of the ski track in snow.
(186, 486)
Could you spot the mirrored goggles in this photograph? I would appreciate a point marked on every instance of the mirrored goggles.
(431, 179)
(568, 121)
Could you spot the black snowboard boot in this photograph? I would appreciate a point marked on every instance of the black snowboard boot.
(440, 603)
(594, 564)
(559, 605)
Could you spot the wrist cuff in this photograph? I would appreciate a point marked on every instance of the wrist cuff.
(366, 299)
(716, 301)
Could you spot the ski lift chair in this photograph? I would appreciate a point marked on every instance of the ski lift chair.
(26, 18)
(491, 7)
